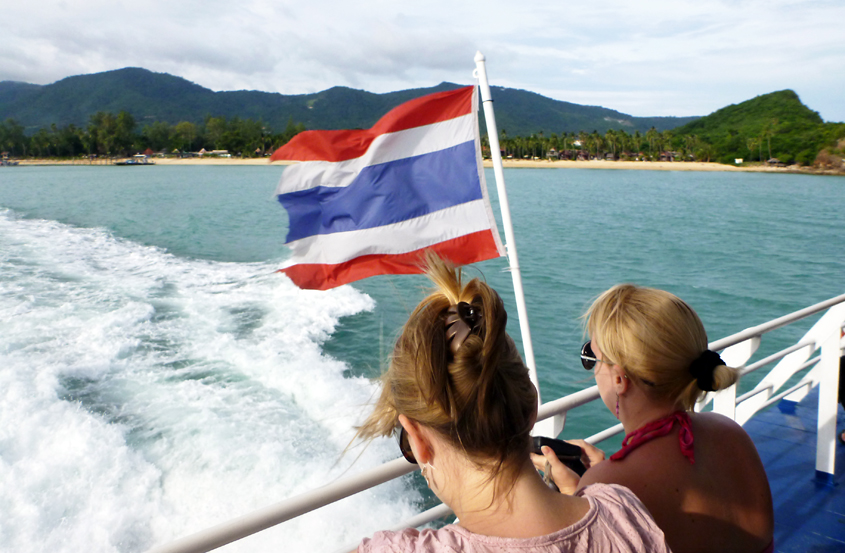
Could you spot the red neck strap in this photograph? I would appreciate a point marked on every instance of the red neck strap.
(656, 429)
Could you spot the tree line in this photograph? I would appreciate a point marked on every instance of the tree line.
(613, 144)
(772, 142)
(113, 135)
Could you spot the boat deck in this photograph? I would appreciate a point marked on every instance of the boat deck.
(809, 515)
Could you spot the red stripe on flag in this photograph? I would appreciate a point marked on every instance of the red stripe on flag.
(350, 144)
(463, 250)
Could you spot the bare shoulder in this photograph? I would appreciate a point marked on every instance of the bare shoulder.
(720, 431)
(607, 472)
(718, 439)
(717, 421)
(728, 461)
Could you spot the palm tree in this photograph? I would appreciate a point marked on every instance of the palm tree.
(751, 143)
(554, 142)
(691, 143)
(768, 131)
(651, 136)
(666, 140)
(705, 152)
(611, 138)
(638, 141)
(595, 137)
(624, 140)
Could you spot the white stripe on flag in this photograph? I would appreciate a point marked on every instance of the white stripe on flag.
(386, 147)
(397, 238)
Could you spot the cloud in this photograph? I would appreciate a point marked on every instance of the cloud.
(648, 57)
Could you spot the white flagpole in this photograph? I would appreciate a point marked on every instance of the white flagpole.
(510, 242)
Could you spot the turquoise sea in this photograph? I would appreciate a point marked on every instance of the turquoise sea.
(157, 376)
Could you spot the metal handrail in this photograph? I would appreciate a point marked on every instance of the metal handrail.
(770, 387)
(776, 356)
(267, 517)
(759, 330)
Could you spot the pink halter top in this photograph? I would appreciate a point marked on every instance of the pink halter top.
(656, 429)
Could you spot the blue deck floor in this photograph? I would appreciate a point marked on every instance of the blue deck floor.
(809, 516)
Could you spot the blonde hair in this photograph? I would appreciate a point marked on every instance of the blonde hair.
(480, 399)
(655, 337)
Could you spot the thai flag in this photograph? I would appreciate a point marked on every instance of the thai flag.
(369, 202)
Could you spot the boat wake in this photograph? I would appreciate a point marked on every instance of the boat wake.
(144, 396)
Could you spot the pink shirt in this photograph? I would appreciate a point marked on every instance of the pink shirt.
(616, 522)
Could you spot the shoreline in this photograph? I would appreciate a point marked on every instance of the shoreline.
(507, 163)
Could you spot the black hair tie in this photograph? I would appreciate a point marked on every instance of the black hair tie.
(703, 367)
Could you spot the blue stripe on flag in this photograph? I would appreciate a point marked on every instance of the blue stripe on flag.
(386, 193)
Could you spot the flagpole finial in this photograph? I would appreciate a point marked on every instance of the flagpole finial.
(479, 56)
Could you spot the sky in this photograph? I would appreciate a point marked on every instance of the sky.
(643, 58)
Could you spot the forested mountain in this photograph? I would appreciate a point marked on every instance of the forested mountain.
(775, 125)
(523, 113)
(158, 97)
(132, 109)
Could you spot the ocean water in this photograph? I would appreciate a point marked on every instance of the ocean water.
(158, 377)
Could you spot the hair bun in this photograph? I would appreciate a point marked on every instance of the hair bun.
(703, 367)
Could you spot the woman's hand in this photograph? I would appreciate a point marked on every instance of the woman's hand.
(564, 478)
(591, 455)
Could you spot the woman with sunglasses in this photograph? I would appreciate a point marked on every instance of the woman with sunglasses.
(461, 396)
(699, 474)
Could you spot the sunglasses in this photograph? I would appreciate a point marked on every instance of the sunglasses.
(405, 447)
(588, 358)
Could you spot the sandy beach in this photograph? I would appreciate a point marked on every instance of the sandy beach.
(637, 165)
(509, 163)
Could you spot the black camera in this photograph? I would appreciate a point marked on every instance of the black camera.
(569, 454)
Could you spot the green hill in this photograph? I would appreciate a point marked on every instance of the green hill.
(150, 97)
(775, 125)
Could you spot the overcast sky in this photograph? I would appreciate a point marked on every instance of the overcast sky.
(641, 57)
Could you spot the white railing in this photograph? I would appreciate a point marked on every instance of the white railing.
(736, 350)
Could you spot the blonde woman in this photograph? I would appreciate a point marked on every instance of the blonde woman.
(460, 396)
(699, 474)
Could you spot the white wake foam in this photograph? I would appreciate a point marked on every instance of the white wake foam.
(144, 397)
